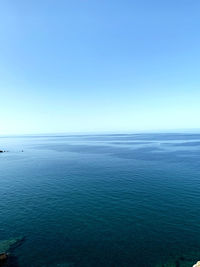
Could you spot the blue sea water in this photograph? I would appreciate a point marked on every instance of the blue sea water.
(101, 200)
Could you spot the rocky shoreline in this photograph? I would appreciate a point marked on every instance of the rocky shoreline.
(182, 261)
(6, 246)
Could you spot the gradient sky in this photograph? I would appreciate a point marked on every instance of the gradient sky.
(99, 65)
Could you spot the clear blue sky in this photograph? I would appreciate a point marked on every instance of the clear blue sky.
(99, 65)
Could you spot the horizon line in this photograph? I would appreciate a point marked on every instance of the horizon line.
(168, 131)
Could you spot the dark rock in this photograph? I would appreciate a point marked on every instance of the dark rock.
(7, 245)
(10, 261)
(3, 259)
(3, 256)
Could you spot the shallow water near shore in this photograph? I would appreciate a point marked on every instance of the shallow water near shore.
(101, 200)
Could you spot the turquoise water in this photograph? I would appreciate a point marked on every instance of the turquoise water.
(101, 200)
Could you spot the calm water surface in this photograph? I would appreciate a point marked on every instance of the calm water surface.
(101, 200)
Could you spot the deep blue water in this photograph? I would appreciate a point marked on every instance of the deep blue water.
(101, 200)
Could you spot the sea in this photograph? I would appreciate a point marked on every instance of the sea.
(102, 200)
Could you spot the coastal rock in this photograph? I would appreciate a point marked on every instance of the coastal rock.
(197, 264)
(6, 245)
(3, 256)
(180, 262)
(3, 259)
